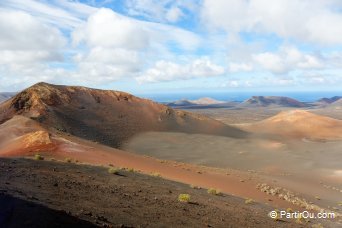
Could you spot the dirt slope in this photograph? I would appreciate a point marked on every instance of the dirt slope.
(108, 117)
(299, 124)
(94, 197)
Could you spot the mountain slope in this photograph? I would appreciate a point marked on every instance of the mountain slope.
(5, 96)
(337, 103)
(206, 101)
(299, 124)
(329, 100)
(108, 117)
(200, 101)
(264, 101)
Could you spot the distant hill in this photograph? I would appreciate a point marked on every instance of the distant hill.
(206, 101)
(330, 100)
(265, 101)
(299, 124)
(202, 103)
(337, 103)
(6, 96)
(182, 102)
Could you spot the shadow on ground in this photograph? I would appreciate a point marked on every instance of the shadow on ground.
(15, 212)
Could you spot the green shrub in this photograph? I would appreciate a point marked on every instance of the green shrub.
(213, 191)
(249, 201)
(156, 174)
(113, 170)
(289, 210)
(38, 157)
(195, 187)
(68, 160)
(184, 198)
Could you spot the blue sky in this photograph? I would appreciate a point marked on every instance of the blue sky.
(150, 46)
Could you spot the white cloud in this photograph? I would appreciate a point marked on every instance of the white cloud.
(170, 71)
(21, 31)
(118, 46)
(328, 77)
(174, 14)
(27, 56)
(305, 20)
(102, 65)
(26, 47)
(270, 61)
(231, 84)
(64, 14)
(108, 29)
(115, 47)
(238, 67)
(287, 59)
(36, 42)
(161, 10)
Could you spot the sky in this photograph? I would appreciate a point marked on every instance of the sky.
(167, 46)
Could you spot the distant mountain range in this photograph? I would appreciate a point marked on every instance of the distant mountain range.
(205, 102)
(265, 101)
(335, 101)
(6, 96)
(330, 100)
(254, 102)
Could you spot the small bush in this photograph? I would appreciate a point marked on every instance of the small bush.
(213, 191)
(68, 160)
(184, 198)
(38, 157)
(289, 210)
(156, 174)
(131, 170)
(277, 217)
(300, 220)
(249, 201)
(195, 187)
(113, 170)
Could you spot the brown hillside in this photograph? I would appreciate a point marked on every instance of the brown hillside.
(300, 124)
(108, 117)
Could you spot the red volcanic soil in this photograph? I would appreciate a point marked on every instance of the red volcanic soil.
(20, 135)
(89, 125)
(70, 148)
(60, 194)
(63, 122)
(108, 117)
(299, 124)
